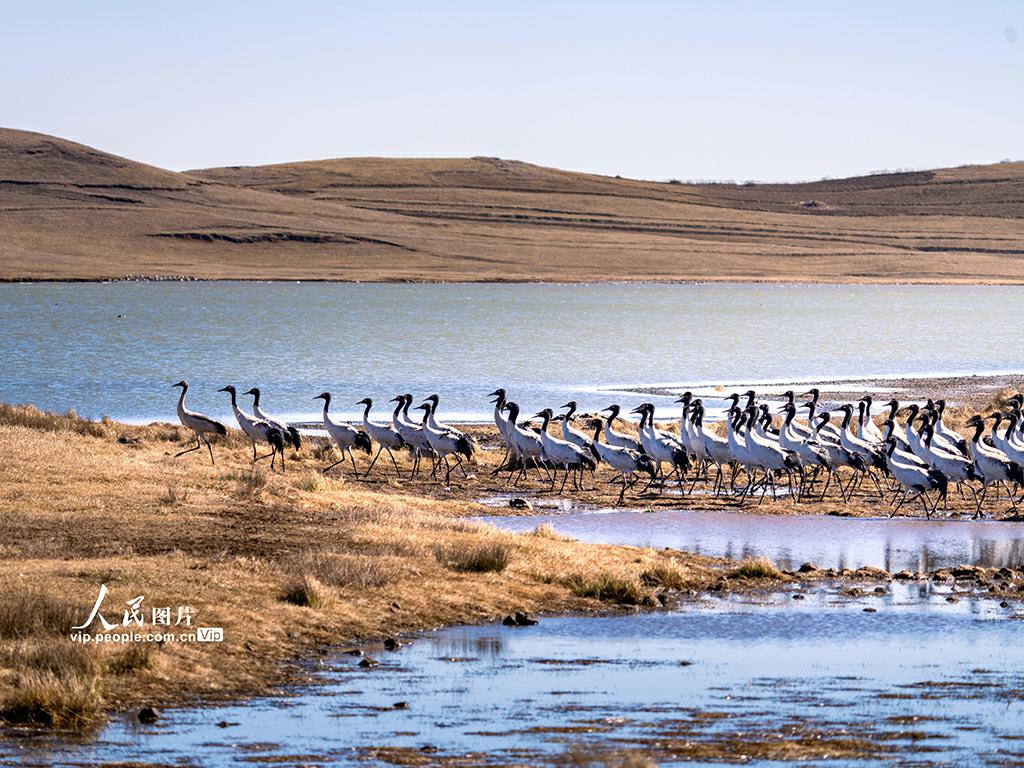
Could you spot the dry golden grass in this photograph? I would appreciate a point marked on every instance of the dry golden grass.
(756, 568)
(73, 212)
(284, 563)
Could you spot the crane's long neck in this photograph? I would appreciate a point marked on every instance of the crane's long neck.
(544, 425)
(847, 416)
(327, 404)
(598, 426)
(979, 427)
(613, 414)
(398, 410)
(513, 413)
(181, 397)
(569, 413)
(406, 402)
(366, 412)
(255, 399)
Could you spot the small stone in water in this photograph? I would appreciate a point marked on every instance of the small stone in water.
(368, 662)
(392, 644)
(148, 715)
(401, 705)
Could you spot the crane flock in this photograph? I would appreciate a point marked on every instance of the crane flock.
(844, 450)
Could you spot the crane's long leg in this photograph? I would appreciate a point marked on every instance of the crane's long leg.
(393, 461)
(195, 447)
(375, 457)
(980, 500)
(254, 459)
(267, 456)
(902, 502)
(210, 447)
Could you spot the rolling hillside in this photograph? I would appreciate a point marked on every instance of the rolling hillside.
(72, 212)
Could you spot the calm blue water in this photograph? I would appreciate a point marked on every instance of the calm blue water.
(524, 696)
(114, 349)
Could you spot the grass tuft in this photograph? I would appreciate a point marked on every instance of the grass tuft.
(362, 571)
(174, 495)
(666, 574)
(609, 588)
(473, 557)
(31, 417)
(250, 483)
(41, 697)
(309, 592)
(36, 612)
(547, 531)
(134, 657)
(756, 568)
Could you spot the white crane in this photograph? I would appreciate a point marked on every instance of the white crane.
(560, 453)
(829, 430)
(385, 435)
(768, 454)
(257, 430)
(198, 423)
(953, 465)
(345, 436)
(291, 434)
(622, 460)
(808, 452)
(446, 443)
(617, 439)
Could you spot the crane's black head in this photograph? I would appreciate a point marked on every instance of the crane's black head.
(570, 405)
(894, 404)
(612, 409)
(228, 388)
(423, 407)
(546, 413)
(499, 392)
(808, 406)
(397, 399)
(975, 421)
(325, 396)
(846, 408)
(867, 399)
(255, 392)
(435, 399)
(813, 392)
(365, 401)
(183, 384)
(749, 393)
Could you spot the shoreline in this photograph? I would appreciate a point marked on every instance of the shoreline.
(639, 280)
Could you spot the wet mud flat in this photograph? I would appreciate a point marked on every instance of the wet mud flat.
(825, 672)
(968, 390)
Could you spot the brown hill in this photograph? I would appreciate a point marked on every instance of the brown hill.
(71, 212)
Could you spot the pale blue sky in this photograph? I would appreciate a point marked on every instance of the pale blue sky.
(725, 90)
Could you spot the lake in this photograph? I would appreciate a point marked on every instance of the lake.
(114, 348)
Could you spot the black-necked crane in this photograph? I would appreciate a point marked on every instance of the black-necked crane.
(767, 454)
(830, 431)
(808, 452)
(198, 423)
(916, 479)
(345, 436)
(622, 460)
(868, 430)
(446, 443)
(437, 426)
(953, 465)
(993, 465)
(385, 435)
(257, 430)
(501, 422)
(870, 453)
(411, 433)
(617, 439)
(575, 436)
(291, 434)
(661, 446)
(716, 448)
(563, 454)
(526, 444)
(958, 440)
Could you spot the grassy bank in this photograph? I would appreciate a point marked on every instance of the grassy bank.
(285, 564)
